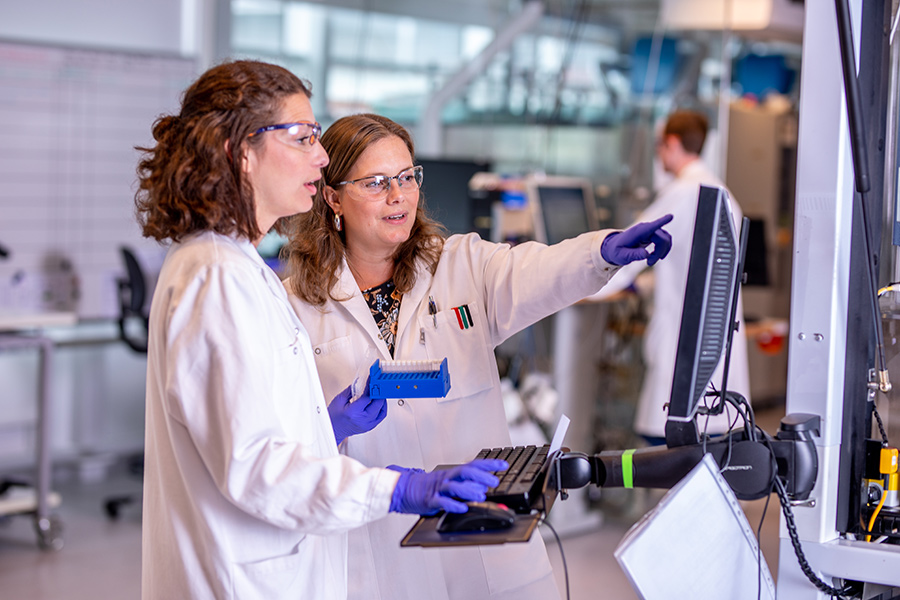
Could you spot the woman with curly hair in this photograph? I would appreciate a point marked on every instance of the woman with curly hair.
(245, 493)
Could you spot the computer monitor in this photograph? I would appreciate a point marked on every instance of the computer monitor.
(447, 194)
(707, 317)
(562, 207)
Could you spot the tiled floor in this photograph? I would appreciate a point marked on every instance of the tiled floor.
(101, 558)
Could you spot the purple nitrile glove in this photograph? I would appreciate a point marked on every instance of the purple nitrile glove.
(623, 247)
(422, 493)
(349, 418)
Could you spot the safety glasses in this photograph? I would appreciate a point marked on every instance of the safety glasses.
(302, 134)
(376, 187)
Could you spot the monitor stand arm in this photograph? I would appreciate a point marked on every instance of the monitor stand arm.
(747, 465)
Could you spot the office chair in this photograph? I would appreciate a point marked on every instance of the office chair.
(132, 296)
(133, 324)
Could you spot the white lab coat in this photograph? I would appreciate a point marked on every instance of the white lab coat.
(679, 198)
(506, 290)
(245, 493)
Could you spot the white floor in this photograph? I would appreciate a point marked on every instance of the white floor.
(101, 558)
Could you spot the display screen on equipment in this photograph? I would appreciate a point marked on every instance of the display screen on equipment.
(707, 314)
(563, 208)
(447, 195)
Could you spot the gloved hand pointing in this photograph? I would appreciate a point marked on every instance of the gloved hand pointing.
(627, 246)
(423, 493)
(349, 418)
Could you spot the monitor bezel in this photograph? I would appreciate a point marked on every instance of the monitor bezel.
(712, 203)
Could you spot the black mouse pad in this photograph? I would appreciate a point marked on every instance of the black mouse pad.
(424, 533)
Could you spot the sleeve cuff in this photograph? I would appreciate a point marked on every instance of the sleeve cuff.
(383, 491)
(599, 262)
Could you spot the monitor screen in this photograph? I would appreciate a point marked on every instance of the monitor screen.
(446, 191)
(756, 265)
(707, 316)
(563, 208)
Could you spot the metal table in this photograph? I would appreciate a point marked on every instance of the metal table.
(15, 335)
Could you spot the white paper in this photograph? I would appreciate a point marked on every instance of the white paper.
(561, 427)
(696, 543)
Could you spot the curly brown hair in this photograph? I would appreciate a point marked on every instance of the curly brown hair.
(316, 250)
(192, 180)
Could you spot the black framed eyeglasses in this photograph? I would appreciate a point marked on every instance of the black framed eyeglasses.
(304, 134)
(375, 187)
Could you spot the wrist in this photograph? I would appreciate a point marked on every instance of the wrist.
(604, 250)
(398, 493)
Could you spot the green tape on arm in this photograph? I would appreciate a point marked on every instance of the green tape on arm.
(627, 469)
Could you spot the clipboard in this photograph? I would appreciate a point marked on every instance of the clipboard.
(696, 543)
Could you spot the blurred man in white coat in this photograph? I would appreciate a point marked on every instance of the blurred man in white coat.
(678, 149)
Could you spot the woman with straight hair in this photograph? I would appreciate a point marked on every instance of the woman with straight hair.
(372, 277)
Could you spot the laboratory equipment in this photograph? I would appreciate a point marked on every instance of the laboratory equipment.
(562, 207)
(409, 379)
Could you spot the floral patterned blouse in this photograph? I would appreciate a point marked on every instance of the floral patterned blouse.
(384, 302)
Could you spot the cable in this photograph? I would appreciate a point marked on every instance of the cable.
(798, 550)
(571, 41)
(884, 438)
(561, 553)
(779, 488)
(894, 286)
(738, 401)
(875, 515)
(581, 16)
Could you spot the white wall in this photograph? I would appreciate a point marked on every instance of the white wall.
(98, 389)
(141, 25)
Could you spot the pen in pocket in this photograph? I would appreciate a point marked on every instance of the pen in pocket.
(432, 310)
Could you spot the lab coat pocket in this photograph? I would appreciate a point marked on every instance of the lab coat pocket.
(335, 363)
(459, 336)
(279, 577)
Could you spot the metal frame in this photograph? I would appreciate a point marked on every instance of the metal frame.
(830, 347)
(47, 526)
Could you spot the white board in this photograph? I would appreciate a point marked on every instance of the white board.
(69, 122)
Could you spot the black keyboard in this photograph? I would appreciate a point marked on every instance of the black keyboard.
(521, 485)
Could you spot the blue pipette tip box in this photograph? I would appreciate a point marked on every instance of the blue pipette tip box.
(409, 379)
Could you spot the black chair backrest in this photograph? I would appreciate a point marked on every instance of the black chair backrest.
(132, 295)
(136, 283)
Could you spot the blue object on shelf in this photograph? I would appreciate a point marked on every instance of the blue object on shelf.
(760, 75)
(409, 379)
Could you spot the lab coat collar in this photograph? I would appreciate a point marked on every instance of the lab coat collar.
(271, 279)
(695, 168)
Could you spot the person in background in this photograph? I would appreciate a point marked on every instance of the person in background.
(372, 277)
(245, 493)
(678, 149)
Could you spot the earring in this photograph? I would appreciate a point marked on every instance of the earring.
(338, 225)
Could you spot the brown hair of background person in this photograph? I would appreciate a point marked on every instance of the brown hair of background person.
(315, 257)
(690, 127)
(192, 179)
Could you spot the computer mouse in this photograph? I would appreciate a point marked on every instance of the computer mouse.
(481, 516)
